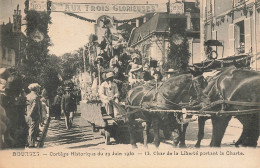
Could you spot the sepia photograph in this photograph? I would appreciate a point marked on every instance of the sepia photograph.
(129, 83)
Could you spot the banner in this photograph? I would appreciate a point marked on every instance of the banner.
(97, 7)
(177, 8)
(38, 5)
(104, 8)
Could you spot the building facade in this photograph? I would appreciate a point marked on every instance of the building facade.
(151, 38)
(237, 24)
(12, 41)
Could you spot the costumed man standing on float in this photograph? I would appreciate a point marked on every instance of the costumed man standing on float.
(108, 93)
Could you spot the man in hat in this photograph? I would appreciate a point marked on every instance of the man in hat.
(134, 76)
(33, 113)
(157, 76)
(113, 61)
(119, 77)
(170, 73)
(100, 69)
(57, 105)
(124, 57)
(68, 106)
(108, 93)
(146, 74)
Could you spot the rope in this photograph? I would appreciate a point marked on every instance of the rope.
(204, 67)
(194, 112)
(223, 62)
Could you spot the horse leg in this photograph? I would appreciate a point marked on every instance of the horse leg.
(182, 135)
(219, 127)
(176, 132)
(155, 124)
(132, 131)
(175, 137)
(250, 130)
(201, 124)
(145, 133)
(166, 132)
(241, 138)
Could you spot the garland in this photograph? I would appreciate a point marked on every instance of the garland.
(80, 17)
(178, 57)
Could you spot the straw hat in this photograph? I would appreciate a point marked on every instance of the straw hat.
(170, 71)
(33, 85)
(109, 75)
(100, 57)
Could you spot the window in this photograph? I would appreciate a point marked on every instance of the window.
(9, 58)
(238, 2)
(240, 37)
(4, 53)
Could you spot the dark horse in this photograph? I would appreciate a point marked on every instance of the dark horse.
(237, 85)
(165, 96)
(230, 84)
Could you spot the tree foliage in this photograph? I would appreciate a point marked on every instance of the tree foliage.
(71, 64)
(48, 77)
(178, 57)
(36, 51)
(39, 66)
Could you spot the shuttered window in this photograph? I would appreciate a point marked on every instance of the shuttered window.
(214, 35)
(248, 43)
(231, 37)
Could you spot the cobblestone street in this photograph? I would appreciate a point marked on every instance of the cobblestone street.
(81, 136)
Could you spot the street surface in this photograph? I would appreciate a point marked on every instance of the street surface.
(82, 136)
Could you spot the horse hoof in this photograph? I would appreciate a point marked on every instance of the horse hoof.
(237, 145)
(197, 146)
(182, 146)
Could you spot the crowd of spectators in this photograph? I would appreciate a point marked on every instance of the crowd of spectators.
(24, 111)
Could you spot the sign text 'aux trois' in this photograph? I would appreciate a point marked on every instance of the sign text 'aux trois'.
(96, 7)
(106, 8)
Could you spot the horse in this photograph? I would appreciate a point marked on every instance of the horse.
(237, 85)
(230, 84)
(163, 96)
